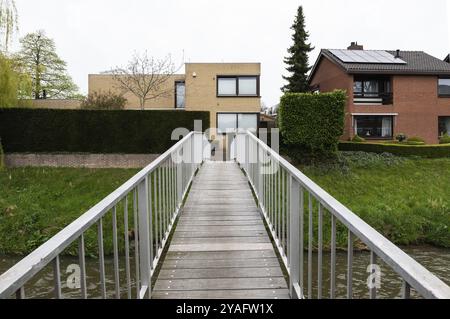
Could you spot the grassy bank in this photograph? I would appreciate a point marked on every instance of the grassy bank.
(407, 200)
(35, 203)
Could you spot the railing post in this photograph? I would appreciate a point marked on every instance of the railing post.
(144, 238)
(179, 164)
(259, 173)
(294, 240)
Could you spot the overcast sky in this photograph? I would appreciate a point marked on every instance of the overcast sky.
(95, 35)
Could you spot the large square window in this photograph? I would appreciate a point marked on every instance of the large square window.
(374, 126)
(248, 86)
(227, 87)
(444, 87)
(231, 122)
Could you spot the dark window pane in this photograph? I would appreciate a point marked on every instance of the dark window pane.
(373, 126)
(181, 91)
(444, 125)
(444, 86)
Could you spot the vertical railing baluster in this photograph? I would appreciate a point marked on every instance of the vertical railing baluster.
(294, 247)
(350, 266)
(333, 258)
(283, 213)
(127, 247)
(144, 237)
(319, 252)
(82, 261)
(158, 221)
(278, 192)
(101, 258)
(20, 293)
(116, 253)
(302, 238)
(136, 243)
(160, 206)
(373, 288)
(310, 244)
(406, 290)
(57, 277)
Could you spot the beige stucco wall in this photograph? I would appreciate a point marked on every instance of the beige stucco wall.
(201, 91)
(52, 104)
(102, 83)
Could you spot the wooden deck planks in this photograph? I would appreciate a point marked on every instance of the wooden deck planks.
(220, 248)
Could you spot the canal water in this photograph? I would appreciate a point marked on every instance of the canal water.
(437, 260)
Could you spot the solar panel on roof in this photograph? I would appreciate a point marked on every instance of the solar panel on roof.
(366, 56)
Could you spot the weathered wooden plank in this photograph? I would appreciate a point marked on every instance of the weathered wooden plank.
(239, 254)
(187, 228)
(220, 284)
(220, 247)
(220, 263)
(219, 217)
(233, 233)
(259, 272)
(223, 294)
(220, 222)
(219, 240)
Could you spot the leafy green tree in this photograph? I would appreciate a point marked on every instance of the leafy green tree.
(14, 83)
(47, 70)
(8, 23)
(297, 61)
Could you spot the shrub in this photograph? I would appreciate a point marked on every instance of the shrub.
(104, 101)
(311, 124)
(414, 140)
(401, 137)
(358, 139)
(87, 131)
(430, 151)
(445, 139)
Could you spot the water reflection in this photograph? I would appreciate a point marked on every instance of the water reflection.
(437, 260)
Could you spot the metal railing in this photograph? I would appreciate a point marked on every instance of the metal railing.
(293, 204)
(149, 203)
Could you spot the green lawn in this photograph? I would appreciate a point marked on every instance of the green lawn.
(407, 200)
(35, 203)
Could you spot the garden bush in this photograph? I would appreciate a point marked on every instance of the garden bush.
(104, 101)
(89, 131)
(311, 124)
(445, 139)
(429, 151)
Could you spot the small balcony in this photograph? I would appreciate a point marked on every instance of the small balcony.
(372, 90)
(373, 98)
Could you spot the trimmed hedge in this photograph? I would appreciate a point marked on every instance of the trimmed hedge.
(86, 131)
(430, 151)
(312, 122)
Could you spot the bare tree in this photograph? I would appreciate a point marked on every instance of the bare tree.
(145, 77)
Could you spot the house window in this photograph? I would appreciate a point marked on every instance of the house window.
(180, 94)
(444, 87)
(374, 126)
(231, 122)
(237, 86)
(372, 90)
(444, 125)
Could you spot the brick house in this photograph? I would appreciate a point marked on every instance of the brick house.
(390, 92)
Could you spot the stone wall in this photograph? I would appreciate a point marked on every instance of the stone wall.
(79, 160)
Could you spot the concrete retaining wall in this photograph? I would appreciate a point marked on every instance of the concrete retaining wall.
(79, 160)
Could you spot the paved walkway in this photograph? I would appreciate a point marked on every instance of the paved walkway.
(220, 248)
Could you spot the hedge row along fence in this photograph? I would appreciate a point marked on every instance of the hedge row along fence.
(430, 151)
(83, 131)
(312, 123)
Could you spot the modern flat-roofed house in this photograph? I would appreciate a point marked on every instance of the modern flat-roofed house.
(229, 91)
(390, 92)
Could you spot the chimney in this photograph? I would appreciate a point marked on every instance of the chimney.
(397, 54)
(355, 46)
